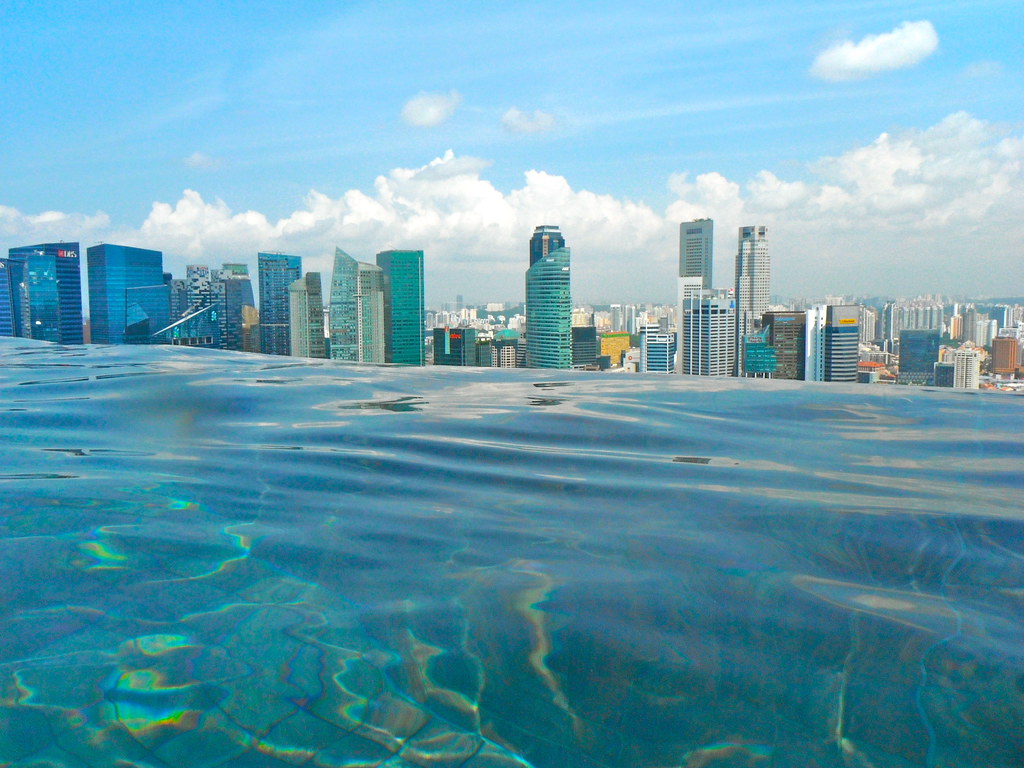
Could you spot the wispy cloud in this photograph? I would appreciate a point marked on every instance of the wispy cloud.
(517, 121)
(908, 44)
(429, 109)
(982, 70)
(202, 160)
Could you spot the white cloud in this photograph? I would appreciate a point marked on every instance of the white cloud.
(982, 70)
(518, 121)
(429, 109)
(934, 210)
(908, 44)
(201, 160)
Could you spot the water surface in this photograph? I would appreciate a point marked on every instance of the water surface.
(217, 559)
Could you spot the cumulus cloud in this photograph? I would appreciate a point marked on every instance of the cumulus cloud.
(908, 44)
(518, 121)
(201, 160)
(428, 109)
(933, 210)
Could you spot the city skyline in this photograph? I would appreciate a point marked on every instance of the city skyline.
(878, 143)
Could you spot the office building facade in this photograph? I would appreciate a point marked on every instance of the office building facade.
(919, 351)
(546, 238)
(548, 303)
(787, 332)
(753, 284)
(357, 327)
(455, 346)
(306, 317)
(276, 271)
(707, 343)
(404, 310)
(41, 293)
(128, 298)
(831, 343)
(657, 350)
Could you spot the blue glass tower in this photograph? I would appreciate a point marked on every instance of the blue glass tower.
(548, 303)
(404, 312)
(276, 272)
(123, 282)
(41, 296)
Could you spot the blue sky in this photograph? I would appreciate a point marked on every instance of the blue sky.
(300, 126)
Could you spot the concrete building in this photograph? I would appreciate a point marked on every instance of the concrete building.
(753, 285)
(306, 317)
(830, 346)
(657, 350)
(967, 367)
(707, 342)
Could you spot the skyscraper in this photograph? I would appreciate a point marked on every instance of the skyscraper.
(128, 299)
(919, 351)
(234, 294)
(696, 245)
(546, 238)
(306, 317)
(708, 338)
(404, 312)
(753, 285)
(548, 301)
(277, 271)
(41, 294)
(454, 346)
(787, 334)
(356, 310)
(830, 347)
(657, 350)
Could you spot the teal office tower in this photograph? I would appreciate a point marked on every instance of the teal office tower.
(548, 303)
(276, 272)
(403, 306)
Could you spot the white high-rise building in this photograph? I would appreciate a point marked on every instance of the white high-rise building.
(707, 337)
(966, 367)
(696, 253)
(753, 284)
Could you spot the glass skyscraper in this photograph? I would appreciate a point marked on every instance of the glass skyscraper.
(546, 239)
(127, 293)
(548, 303)
(404, 312)
(276, 272)
(356, 310)
(41, 293)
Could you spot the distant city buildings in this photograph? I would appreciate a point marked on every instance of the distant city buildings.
(377, 313)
